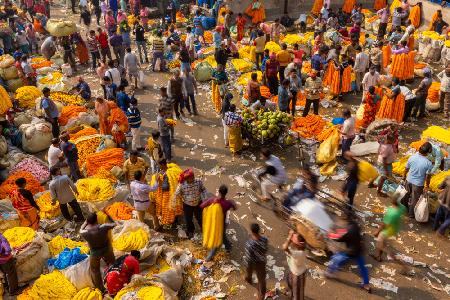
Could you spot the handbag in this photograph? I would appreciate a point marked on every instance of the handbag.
(124, 82)
(421, 210)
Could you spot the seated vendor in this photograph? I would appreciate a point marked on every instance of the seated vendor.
(121, 271)
(263, 103)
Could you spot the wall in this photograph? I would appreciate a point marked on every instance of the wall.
(274, 8)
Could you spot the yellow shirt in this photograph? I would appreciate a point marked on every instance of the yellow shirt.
(284, 58)
(129, 168)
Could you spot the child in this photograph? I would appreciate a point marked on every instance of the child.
(294, 247)
(32, 39)
(164, 130)
(118, 135)
(256, 257)
(155, 151)
(134, 120)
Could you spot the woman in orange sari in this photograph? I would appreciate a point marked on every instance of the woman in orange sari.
(318, 4)
(256, 11)
(415, 14)
(102, 110)
(23, 201)
(435, 16)
(81, 48)
(240, 25)
(118, 123)
(348, 6)
(370, 108)
(379, 4)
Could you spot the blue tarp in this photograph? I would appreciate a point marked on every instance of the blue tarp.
(67, 258)
(208, 23)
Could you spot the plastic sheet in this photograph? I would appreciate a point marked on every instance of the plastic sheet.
(67, 258)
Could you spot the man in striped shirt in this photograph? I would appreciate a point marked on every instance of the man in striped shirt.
(158, 51)
(255, 258)
(134, 120)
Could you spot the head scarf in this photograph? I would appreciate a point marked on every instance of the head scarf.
(185, 175)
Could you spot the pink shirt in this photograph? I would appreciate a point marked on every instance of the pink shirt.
(386, 154)
(110, 20)
(121, 17)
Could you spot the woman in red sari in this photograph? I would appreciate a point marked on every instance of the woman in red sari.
(371, 104)
(240, 25)
(23, 201)
(120, 272)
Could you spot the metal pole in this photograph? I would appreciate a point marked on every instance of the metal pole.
(286, 6)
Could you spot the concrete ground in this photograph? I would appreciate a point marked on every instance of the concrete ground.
(199, 144)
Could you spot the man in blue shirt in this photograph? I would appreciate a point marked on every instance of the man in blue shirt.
(134, 120)
(417, 175)
(109, 88)
(123, 101)
(283, 96)
(71, 154)
(83, 89)
(316, 61)
(51, 111)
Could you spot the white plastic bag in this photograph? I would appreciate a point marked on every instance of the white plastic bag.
(36, 136)
(79, 274)
(421, 210)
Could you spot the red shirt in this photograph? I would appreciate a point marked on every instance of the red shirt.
(226, 204)
(102, 39)
(116, 280)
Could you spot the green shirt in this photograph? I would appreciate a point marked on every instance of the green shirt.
(393, 219)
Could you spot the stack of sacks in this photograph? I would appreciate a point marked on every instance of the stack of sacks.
(33, 254)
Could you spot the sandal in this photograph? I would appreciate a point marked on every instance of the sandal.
(367, 289)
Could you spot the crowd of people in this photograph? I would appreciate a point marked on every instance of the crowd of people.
(118, 55)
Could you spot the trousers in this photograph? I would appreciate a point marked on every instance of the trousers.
(260, 270)
(76, 209)
(442, 214)
(9, 269)
(94, 263)
(339, 259)
(315, 104)
(136, 140)
(189, 213)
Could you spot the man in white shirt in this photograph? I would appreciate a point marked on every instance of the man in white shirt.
(272, 176)
(113, 73)
(301, 22)
(55, 154)
(360, 67)
(347, 131)
(410, 99)
(371, 78)
(324, 12)
(444, 98)
(190, 39)
(294, 247)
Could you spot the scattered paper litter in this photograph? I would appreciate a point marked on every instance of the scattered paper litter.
(209, 155)
(388, 270)
(385, 285)
(240, 180)
(278, 272)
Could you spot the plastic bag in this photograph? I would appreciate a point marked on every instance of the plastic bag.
(203, 71)
(36, 136)
(366, 172)
(421, 210)
(79, 275)
(328, 149)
